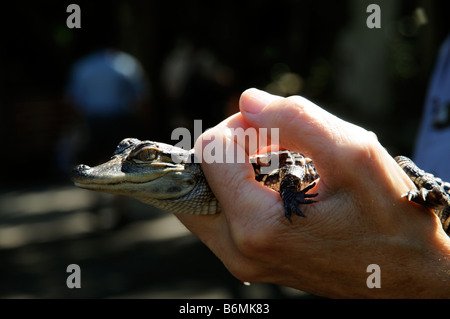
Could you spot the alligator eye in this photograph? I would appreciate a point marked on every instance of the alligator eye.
(145, 155)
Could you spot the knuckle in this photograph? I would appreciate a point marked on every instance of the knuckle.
(366, 155)
(285, 109)
(373, 135)
(296, 100)
(366, 148)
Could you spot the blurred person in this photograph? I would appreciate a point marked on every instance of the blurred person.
(432, 148)
(107, 90)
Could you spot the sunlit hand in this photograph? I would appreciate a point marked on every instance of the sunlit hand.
(360, 218)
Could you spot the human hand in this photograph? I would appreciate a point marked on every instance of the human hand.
(360, 217)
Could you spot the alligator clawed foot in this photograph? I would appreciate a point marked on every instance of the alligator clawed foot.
(293, 198)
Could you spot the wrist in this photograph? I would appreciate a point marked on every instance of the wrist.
(442, 265)
(433, 275)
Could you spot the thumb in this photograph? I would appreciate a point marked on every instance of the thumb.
(306, 128)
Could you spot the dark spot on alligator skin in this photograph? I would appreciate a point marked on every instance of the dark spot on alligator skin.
(190, 182)
(174, 189)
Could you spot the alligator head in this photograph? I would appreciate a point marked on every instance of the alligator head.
(155, 173)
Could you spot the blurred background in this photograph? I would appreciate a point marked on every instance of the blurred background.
(143, 68)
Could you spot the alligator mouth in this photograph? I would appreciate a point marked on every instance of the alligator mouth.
(111, 179)
(101, 176)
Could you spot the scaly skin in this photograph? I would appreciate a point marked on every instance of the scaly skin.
(431, 191)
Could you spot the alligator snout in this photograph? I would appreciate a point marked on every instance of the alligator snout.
(80, 171)
(80, 168)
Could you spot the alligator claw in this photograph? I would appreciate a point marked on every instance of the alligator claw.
(411, 194)
(292, 199)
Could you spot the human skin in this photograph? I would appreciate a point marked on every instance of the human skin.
(360, 217)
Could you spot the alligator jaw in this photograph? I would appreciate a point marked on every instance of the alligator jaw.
(119, 178)
(87, 177)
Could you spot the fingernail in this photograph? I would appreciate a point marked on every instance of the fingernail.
(254, 100)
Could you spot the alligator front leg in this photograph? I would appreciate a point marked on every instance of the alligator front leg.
(292, 197)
